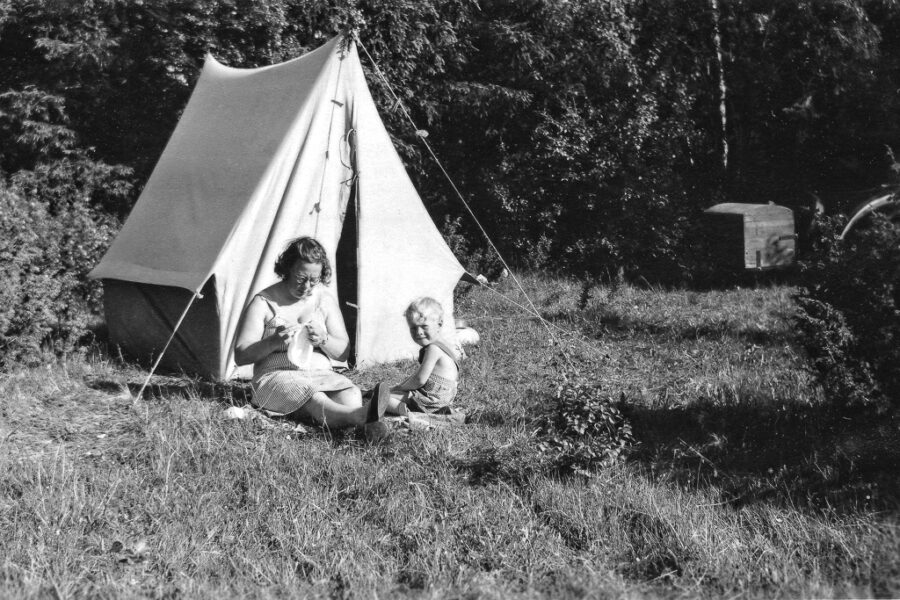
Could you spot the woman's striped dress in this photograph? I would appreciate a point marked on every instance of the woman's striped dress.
(281, 387)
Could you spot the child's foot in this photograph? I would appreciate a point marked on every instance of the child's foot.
(379, 402)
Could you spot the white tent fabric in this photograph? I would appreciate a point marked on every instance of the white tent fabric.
(261, 156)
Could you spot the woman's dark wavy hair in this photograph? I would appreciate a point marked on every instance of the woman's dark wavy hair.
(304, 250)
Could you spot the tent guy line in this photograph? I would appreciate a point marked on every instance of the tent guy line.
(548, 324)
(399, 103)
(530, 309)
(162, 353)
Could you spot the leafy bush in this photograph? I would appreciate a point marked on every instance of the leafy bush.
(578, 430)
(849, 313)
(476, 259)
(55, 223)
(831, 346)
(584, 429)
(47, 301)
(43, 157)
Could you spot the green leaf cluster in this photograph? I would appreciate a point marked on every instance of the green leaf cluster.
(583, 430)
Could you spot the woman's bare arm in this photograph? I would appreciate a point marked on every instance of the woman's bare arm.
(250, 346)
(337, 343)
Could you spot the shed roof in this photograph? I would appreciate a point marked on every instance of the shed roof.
(742, 208)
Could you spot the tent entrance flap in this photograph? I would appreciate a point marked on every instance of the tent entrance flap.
(141, 316)
(347, 269)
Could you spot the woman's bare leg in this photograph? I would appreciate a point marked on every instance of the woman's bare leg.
(325, 411)
(350, 397)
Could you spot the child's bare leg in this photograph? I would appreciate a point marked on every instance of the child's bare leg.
(397, 404)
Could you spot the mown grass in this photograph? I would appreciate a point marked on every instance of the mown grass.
(743, 483)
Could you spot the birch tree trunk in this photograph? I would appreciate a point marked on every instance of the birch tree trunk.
(717, 43)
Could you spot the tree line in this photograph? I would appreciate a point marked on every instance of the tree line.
(587, 135)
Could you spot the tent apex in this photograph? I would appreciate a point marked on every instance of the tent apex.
(211, 60)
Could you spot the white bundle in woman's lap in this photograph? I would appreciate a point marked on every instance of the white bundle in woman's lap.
(300, 349)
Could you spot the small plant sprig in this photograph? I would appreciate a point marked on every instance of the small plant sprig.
(583, 430)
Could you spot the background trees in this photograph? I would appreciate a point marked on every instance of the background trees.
(586, 135)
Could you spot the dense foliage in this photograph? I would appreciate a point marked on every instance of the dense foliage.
(57, 208)
(583, 429)
(849, 315)
(44, 258)
(586, 135)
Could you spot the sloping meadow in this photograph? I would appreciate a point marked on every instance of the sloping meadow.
(740, 483)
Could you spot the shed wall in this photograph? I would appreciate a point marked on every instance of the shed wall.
(769, 241)
(751, 236)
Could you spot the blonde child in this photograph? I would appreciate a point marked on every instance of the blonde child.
(432, 387)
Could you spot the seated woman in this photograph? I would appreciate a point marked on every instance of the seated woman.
(299, 305)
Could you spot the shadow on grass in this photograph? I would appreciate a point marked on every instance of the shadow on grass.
(599, 322)
(227, 394)
(231, 393)
(705, 280)
(793, 455)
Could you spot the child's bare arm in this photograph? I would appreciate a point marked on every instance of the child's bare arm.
(418, 379)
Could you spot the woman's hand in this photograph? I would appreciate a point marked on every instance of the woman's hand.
(317, 333)
(284, 333)
(250, 346)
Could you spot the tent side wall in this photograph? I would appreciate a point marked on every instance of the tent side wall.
(402, 255)
(141, 316)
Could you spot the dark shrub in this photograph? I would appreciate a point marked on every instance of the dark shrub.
(55, 223)
(849, 316)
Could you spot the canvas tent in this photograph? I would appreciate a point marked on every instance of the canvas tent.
(261, 156)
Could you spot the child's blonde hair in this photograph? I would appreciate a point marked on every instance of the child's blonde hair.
(425, 307)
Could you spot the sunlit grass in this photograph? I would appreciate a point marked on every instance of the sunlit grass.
(743, 483)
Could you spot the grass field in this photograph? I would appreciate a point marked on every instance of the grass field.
(742, 485)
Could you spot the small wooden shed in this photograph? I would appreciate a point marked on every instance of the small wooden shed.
(751, 236)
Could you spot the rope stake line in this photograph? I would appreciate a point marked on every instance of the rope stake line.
(399, 103)
(196, 295)
(571, 334)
